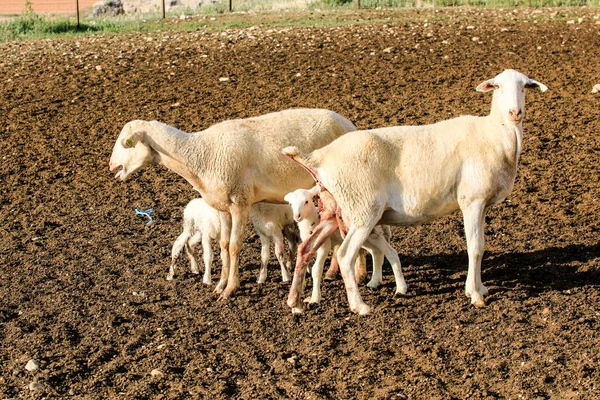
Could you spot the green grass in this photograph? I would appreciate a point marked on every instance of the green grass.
(30, 26)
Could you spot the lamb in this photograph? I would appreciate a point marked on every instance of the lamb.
(307, 216)
(275, 222)
(408, 175)
(233, 164)
(202, 223)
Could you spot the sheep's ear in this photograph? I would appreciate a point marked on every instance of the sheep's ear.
(533, 84)
(133, 138)
(487, 86)
(288, 197)
(314, 191)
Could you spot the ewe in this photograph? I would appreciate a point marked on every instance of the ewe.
(307, 216)
(408, 175)
(233, 165)
(202, 223)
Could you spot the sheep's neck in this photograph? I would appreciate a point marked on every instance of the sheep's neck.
(513, 134)
(171, 146)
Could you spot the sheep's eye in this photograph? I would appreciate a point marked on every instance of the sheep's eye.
(306, 202)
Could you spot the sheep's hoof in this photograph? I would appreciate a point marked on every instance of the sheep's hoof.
(223, 298)
(402, 290)
(373, 284)
(311, 302)
(479, 303)
(329, 277)
(297, 310)
(362, 309)
(169, 277)
(207, 282)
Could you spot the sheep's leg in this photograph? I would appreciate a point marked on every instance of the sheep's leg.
(473, 216)
(239, 216)
(280, 254)
(265, 252)
(292, 249)
(379, 247)
(360, 266)
(334, 267)
(224, 243)
(207, 255)
(306, 251)
(376, 276)
(347, 255)
(175, 252)
(317, 272)
(189, 251)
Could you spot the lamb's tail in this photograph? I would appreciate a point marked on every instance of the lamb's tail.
(304, 160)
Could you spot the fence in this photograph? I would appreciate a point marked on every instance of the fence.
(84, 7)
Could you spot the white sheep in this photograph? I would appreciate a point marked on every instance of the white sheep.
(202, 223)
(408, 175)
(306, 216)
(233, 165)
(275, 222)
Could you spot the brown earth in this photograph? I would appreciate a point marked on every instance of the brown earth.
(82, 278)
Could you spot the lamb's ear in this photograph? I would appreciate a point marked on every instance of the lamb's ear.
(288, 197)
(487, 86)
(314, 191)
(533, 84)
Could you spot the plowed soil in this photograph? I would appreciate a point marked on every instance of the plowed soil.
(82, 277)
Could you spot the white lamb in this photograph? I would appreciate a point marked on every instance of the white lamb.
(408, 175)
(275, 222)
(202, 223)
(307, 217)
(233, 165)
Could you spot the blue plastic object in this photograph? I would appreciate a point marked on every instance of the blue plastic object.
(145, 213)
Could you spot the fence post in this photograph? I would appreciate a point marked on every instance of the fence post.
(358, 4)
(230, 5)
(77, 7)
(163, 2)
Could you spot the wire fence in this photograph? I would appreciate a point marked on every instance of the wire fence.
(92, 8)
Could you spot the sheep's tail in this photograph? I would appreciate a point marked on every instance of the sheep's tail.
(304, 161)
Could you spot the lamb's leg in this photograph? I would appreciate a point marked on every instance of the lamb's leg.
(376, 276)
(360, 266)
(175, 251)
(224, 243)
(280, 254)
(306, 251)
(334, 267)
(347, 255)
(265, 252)
(292, 249)
(317, 272)
(208, 259)
(380, 246)
(189, 250)
(473, 215)
(239, 217)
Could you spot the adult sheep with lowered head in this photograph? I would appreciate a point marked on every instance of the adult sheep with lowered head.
(233, 164)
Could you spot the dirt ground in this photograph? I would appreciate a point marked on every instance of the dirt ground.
(82, 278)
